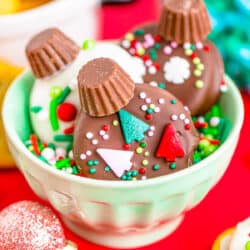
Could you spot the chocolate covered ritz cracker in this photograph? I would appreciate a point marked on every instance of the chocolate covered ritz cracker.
(177, 56)
(133, 132)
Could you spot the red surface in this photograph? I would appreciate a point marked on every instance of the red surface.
(224, 206)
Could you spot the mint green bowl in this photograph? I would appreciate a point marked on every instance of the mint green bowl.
(113, 213)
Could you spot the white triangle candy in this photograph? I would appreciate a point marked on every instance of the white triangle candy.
(119, 161)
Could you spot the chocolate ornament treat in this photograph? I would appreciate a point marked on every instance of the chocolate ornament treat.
(55, 61)
(177, 57)
(28, 225)
(134, 132)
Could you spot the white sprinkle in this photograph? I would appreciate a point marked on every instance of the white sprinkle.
(148, 63)
(105, 137)
(152, 128)
(42, 115)
(142, 95)
(223, 88)
(174, 117)
(126, 44)
(148, 100)
(48, 154)
(144, 107)
(187, 46)
(132, 51)
(182, 116)
(94, 142)
(201, 119)
(157, 109)
(83, 157)
(152, 70)
(69, 170)
(150, 133)
(102, 132)
(214, 121)
(60, 152)
(199, 45)
(186, 121)
(71, 155)
(186, 108)
(89, 135)
(88, 153)
(153, 83)
(144, 177)
(161, 101)
(167, 50)
(174, 44)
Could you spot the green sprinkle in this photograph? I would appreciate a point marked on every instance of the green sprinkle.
(134, 173)
(224, 129)
(203, 144)
(36, 109)
(107, 168)
(197, 157)
(62, 163)
(162, 85)
(64, 95)
(52, 115)
(153, 54)
(95, 162)
(69, 147)
(75, 170)
(90, 163)
(128, 173)
(192, 47)
(88, 44)
(150, 111)
(173, 101)
(215, 110)
(143, 144)
(157, 46)
(172, 165)
(124, 177)
(63, 138)
(129, 178)
(92, 170)
(247, 245)
(55, 91)
(155, 167)
(52, 145)
(139, 32)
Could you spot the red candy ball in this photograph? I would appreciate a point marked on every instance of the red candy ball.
(66, 112)
(29, 225)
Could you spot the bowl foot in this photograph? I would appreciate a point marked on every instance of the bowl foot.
(125, 240)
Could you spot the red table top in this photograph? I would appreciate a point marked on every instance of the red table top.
(225, 205)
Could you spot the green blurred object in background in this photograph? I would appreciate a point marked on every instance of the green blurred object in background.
(231, 24)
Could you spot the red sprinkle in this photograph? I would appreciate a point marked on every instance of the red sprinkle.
(200, 124)
(105, 128)
(142, 170)
(145, 58)
(148, 116)
(193, 56)
(60, 158)
(214, 141)
(72, 163)
(133, 43)
(126, 146)
(66, 112)
(157, 66)
(69, 131)
(34, 143)
(157, 38)
(187, 126)
(206, 48)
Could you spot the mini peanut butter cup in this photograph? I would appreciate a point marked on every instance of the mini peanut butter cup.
(50, 51)
(104, 87)
(184, 21)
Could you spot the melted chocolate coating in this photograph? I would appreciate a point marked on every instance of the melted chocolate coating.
(199, 100)
(88, 133)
